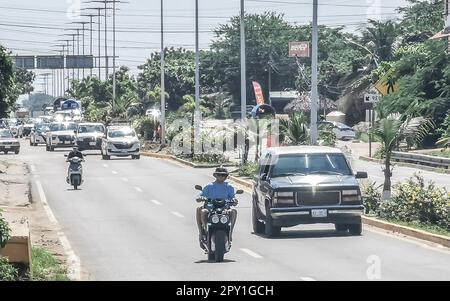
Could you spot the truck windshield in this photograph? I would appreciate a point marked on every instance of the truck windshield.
(91, 129)
(304, 164)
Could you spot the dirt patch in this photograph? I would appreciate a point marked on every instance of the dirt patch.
(154, 147)
(17, 205)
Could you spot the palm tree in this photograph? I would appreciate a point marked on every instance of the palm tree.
(394, 129)
(296, 129)
(380, 38)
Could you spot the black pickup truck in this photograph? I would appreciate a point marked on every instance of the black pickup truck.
(306, 185)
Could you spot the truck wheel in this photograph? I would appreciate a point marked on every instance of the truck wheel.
(355, 229)
(258, 227)
(269, 229)
(16, 152)
(340, 227)
(6, 152)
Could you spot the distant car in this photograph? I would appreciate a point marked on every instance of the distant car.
(306, 185)
(26, 129)
(37, 135)
(120, 141)
(90, 135)
(8, 143)
(342, 131)
(61, 134)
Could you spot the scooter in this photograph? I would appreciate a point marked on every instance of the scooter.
(75, 172)
(218, 227)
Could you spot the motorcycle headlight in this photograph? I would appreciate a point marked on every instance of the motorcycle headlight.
(215, 219)
(224, 219)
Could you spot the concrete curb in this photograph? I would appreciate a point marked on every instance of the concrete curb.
(439, 239)
(185, 162)
(404, 164)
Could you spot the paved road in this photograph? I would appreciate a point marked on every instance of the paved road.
(134, 220)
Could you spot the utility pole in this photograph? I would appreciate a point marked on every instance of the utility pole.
(99, 38)
(197, 113)
(83, 24)
(163, 90)
(114, 52)
(243, 66)
(91, 16)
(314, 78)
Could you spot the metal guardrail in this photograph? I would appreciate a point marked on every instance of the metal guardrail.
(421, 159)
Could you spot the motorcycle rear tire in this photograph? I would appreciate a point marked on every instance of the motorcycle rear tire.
(220, 245)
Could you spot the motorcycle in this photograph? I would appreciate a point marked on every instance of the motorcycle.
(75, 172)
(218, 227)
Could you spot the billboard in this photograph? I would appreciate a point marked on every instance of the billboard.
(50, 62)
(24, 62)
(299, 49)
(79, 61)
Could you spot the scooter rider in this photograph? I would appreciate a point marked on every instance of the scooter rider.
(73, 153)
(218, 189)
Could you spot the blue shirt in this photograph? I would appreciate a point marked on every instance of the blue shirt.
(217, 190)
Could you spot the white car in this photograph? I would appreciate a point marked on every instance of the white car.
(38, 133)
(342, 131)
(8, 143)
(120, 141)
(61, 134)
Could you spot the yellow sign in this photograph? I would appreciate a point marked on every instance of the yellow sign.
(387, 85)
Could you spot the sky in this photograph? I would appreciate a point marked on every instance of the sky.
(29, 27)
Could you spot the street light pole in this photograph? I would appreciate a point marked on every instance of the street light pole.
(314, 77)
(163, 98)
(114, 52)
(243, 66)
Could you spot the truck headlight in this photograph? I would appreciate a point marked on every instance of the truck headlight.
(224, 219)
(351, 196)
(284, 198)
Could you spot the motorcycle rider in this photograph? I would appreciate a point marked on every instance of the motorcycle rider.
(73, 153)
(218, 189)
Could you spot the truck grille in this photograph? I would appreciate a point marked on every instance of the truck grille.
(123, 146)
(65, 138)
(318, 198)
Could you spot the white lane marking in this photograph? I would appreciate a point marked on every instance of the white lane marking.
(73, 260)
(105, 165)
(44, 203)
(251, 253)
(114, 172)
(177, 214)
(156, 202)
(33, 168)
(138, 189)
(307, 279)
(125, 179)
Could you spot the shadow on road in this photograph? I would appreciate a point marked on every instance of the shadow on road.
(212, 261)
(295, 234)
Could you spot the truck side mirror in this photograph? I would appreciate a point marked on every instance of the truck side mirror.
(361, 175)
(263, 177)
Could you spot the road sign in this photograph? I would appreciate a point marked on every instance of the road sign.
(299, 49)
(79, 61)
(50, 62)
(387, 85)
(24, 62)
(372, 97)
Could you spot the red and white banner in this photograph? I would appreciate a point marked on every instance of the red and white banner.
(258, 93)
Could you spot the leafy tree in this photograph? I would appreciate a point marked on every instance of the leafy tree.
(295, 129)
(179, 75)
(393, 129)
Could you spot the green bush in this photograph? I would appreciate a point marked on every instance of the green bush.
(248, 170)
(4, 231)
(209, 158)
(326, 136)
(145, 127)
(7, 271)
(417, 201)
(371, 197)
(46, 267)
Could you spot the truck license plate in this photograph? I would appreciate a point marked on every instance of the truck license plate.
(319, 212)
(92, 143)
(7, 147)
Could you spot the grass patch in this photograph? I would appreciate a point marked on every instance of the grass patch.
(46, 267)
